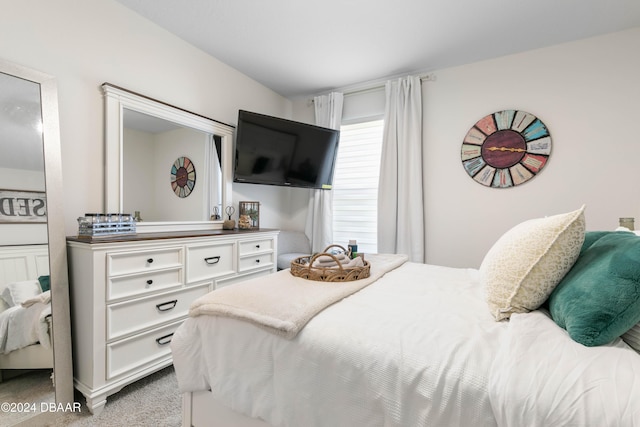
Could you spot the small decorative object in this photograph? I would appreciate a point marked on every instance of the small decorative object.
(627, 223)
(506, 148)
(251, 209)
(229, 224)
(183, 176)
(216, 214)
(136, 216)
(98, 224)
(308, 267)
(244, 222)
(353, 249)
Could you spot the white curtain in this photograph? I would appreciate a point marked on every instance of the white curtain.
(400, 191)
(319, 228)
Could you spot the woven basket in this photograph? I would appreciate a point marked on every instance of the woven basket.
(303, 267)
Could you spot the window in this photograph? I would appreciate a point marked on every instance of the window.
(355, 185)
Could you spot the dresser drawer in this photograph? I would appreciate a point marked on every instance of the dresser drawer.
(139, 351)
(209, 261)
(256, 246)
(143, 283)
(132, 316)
(138, 261)
(255, 261)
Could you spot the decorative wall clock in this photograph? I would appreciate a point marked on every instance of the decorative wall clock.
(183, 176)
(506, 148)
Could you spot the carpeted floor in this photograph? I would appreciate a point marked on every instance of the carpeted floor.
(28, 387)
(152, 401)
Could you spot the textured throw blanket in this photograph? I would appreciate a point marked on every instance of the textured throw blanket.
(283, 303)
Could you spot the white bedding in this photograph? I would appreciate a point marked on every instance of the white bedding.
(417, 348)
(413, 349)
(543, 378)
(22, 326)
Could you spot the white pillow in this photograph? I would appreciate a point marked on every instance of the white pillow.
(18, 292)
(632, 337)
(525, 265)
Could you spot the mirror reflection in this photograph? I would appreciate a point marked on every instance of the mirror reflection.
(171, 166)
(171, 172)
(26, 351)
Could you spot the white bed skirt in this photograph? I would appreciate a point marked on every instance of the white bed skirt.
(200, 409)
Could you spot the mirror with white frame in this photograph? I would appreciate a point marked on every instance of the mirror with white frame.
(34, 289)
(148, 144)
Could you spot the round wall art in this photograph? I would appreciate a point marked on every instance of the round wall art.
(506, 148)
(183, 176)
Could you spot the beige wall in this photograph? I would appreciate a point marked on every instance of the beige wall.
(86, 43)
(586, 92)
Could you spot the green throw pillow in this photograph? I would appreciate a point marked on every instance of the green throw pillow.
(599, 298)
(45, 283)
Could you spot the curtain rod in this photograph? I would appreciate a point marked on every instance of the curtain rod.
(371, 87)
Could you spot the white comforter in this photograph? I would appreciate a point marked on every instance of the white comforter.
(417, 348)
(22, 326)
(412, 349)
(543, 378)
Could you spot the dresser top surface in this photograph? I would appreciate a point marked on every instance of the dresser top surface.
(140, 237)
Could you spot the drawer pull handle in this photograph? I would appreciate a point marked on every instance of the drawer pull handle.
(257, 261)
(166, 306)
(165, 339)
(212, 260)
(149, 261)
(149, 283)
(257, 246)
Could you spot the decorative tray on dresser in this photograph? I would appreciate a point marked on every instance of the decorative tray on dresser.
(129, 293)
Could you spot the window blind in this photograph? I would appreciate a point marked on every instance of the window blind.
(355, 185)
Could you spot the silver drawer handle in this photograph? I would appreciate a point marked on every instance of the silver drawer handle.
(166, 306)
(212, 260)
(165, 339)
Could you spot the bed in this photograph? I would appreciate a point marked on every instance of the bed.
(25, 308)
(426, 345)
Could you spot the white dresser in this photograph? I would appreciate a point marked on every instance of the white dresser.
(130, 293)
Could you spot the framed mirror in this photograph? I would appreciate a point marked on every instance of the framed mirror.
(170, 168)
(33, 262)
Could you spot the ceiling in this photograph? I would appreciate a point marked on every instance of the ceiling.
(304, 47)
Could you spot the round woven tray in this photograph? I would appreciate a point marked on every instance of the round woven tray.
(303, 267)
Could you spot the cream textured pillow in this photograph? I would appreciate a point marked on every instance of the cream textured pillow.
(524, 266)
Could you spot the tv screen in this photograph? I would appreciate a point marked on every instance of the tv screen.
(275, 151)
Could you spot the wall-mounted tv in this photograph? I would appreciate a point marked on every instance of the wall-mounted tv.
(275, 151)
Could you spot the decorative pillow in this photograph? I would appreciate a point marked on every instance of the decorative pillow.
(18, 292)
(632, 337)
(524, 266)
(599, 299)
(45, 283)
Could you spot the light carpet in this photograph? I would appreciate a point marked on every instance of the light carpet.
(152, 401)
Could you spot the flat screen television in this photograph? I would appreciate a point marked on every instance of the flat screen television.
(275, 151)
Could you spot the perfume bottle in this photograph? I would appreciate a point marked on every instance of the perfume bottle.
(353, 248)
